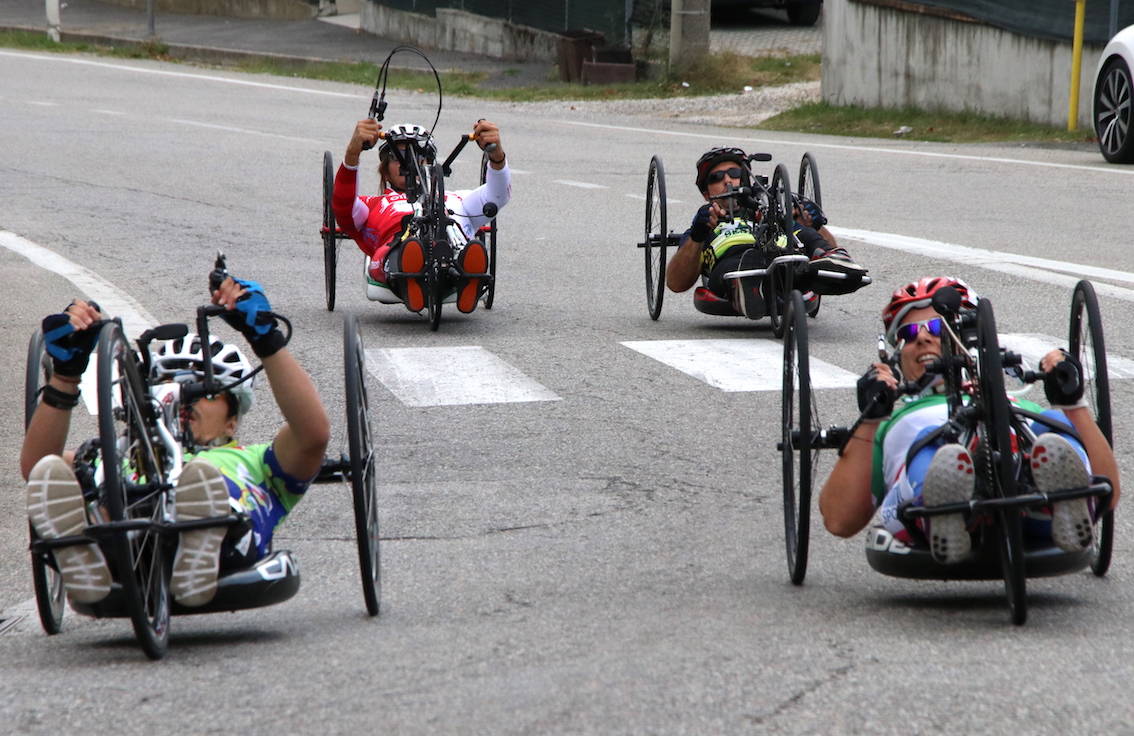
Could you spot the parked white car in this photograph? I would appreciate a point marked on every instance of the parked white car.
(1112, 106)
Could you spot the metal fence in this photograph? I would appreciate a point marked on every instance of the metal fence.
(610, 17)
(1054, 19)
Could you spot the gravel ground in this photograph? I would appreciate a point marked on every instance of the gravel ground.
(737, 110)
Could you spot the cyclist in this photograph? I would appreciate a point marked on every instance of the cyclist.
(260, 482)
(716, 244)
(878, 472)
(379, 224)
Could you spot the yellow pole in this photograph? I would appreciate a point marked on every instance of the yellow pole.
(1076, 64)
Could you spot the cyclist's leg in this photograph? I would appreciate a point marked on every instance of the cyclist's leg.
(202, 492)
(1059, 462)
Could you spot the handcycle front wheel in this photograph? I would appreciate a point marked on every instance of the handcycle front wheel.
(50, 597)
(435, 276)
(362, 465)
(797, 439)
(1087, 344)
(780, 280)
(808, 184)
(330, 245)
(656, 234)
(133, 489)
(490, 293)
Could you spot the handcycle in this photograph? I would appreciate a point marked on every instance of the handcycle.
(765, 202)
(432, 224)
(130, 471)
(973, 366)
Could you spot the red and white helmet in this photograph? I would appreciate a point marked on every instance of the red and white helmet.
(918, 294)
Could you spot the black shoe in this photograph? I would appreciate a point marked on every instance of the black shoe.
(749, 288)
(834, 272)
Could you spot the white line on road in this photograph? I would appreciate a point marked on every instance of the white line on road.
(580, 184)
(43, 103)
(642, 198)
(231, 129)
(737, 365)
(108, 112)
(1032, 347)
(451, 376)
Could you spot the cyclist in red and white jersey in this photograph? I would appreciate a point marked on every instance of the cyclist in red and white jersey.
(379, 224)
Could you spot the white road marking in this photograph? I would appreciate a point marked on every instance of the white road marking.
(452, 376)
(580, 184)
(521, 172)
(642, 198)
(231, 129)
(1033, 347)
(108, 112)
(1100, 169)
(1029, 267)
(43, 103)
(111, 299)
(737, 365)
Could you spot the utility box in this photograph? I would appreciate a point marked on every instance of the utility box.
(575, 47)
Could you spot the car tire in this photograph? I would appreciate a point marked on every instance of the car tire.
(1112, 112)
(804, 12)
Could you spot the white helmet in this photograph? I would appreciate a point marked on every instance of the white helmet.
(181, 360)
(415, 134)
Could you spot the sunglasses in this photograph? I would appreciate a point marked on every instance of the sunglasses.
(734, 173)
(910, 330)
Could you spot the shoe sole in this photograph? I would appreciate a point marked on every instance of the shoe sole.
(1057, 466)
(949, 479)
(413, 261)
(56, 509)
(201, 493)
(474, 259)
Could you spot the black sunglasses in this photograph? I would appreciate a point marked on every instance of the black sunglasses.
(734, 173)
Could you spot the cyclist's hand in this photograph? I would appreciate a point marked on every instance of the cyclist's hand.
(248, 314)
(69, 337)
(1063, 380)
(877, 391)
(704, 222)
(487, 133)
(365, 131)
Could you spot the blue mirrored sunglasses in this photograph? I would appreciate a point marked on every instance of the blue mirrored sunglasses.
(910, 330)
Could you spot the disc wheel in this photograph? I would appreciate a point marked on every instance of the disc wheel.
(1086, 343)
(363, 479)
(797, 440)
(655, 237)
(808, 185)
(134, 488)
(1113, 112)
(999, 473)
(490, 293)
(50, 598)
(330, 246)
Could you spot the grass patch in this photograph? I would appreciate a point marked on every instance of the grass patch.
(38, 41)
(939, 127)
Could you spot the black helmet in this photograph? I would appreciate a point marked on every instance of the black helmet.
(714, 156)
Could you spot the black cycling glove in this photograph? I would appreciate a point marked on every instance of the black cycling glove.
(701, 231)
(875, 396)
(1063, 384)
(70, 350)
(818, 219)
(251, 317)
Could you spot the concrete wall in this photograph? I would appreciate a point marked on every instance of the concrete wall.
(456, 30)
(883, 57)
(277, 9)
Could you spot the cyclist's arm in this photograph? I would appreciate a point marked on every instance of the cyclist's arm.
(683, 269)
(350, 210)
(845, 500)
(47, 431)
(301, 443)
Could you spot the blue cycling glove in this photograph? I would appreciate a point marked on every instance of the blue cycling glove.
(700, 230)
(818, 219)
(251, 317)
(70, 350)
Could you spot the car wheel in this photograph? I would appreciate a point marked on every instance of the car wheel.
(804, 12)
(1113, 112)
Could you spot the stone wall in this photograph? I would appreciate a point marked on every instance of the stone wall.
(457, 30)
(277, 9)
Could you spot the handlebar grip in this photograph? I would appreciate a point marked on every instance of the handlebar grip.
(1066, 376)
(213, 310)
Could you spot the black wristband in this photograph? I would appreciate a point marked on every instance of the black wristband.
(57, 399)
(268, 345)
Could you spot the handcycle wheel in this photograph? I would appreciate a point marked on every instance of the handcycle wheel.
(780, 280)
(490, 294)
(330, 248)
(808, 184)
(999, 460)
(362, 473)
(797, 440)
(1086, 343)
(434, 287)
(655, 237)
(781, 200)
(134, 488)
(50, 598)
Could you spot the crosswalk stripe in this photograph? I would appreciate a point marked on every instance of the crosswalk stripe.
(737, 365)
(581, 184)
(447, 376)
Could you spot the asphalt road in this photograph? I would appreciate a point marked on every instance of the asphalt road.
(609, 561)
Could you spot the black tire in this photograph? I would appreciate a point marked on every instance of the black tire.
(363, 478)
(999, 472)
(656, 233)
(50, 598)
(436, 280)
(808, 184)
(804, 12)
(1087, 344)
(1113, 115)
(798, 451)
(781, 200)
(490, 293)
(780, 280)
(330, 243)
(140, 557)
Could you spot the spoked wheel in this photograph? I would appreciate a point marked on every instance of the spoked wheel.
(1086, 343)
(330, 247)
(436, 279)
(433, 294)
(781, 199)
(780, 279)
(134, 488)
(999, 462)
(490, 294)
(1114, 96)
(655, 237)
(797, 441)
(362, 473)
(809, 180)
(50, 598)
